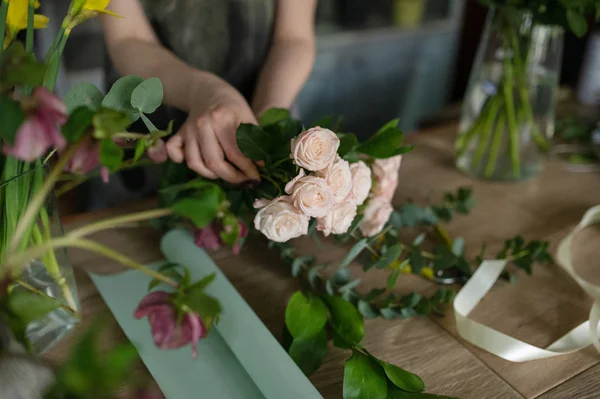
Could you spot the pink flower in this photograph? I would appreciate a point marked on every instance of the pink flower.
(105, 174)
(85, 159)
(315, 149)
(376, 215)
(237, 247)
(158, 152)
(289, 187)
(280, 221)
(40, 131)
(386, 177)
(167, 332)
(208, 238)
(339, 220)
(339, 177)
(361, 182)
(313, 196)
(386, 188)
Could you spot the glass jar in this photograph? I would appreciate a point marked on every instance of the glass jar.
(508, 113)
(51, 274)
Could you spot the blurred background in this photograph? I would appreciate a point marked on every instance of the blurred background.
(377, 60)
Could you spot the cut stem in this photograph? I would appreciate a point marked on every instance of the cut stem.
(495, 147)
(484, 137)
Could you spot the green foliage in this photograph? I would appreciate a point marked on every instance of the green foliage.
(108, 122)
(21, 69)
(524, 254)
(147, 96)
(118, 97)
(173, 271)
(83, 95)
(111, 154)
(354, 252)
(308, 353)
(403, 379)
(273, 116)
(386, 143)
(201, 206)
(254, 142)
(28, 306)
(345, 319)
(305, 316)
(78, 124)
(363, 379)
(11, 118)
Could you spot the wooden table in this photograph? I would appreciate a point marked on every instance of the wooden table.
(537, 309)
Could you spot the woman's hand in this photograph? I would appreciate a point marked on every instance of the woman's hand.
(207, 140)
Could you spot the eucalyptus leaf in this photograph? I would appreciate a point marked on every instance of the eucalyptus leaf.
(147, 96)
(83, 94)
(363, 379)
(305, 316)
(388, 257)
(354, 252)
(308, 353)
(367, 310)
(391, 282)
(119, 95)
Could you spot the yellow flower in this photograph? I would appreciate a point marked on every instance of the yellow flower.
(427, 272)
(406, 269)
(16, 19)
(99, 6)
(82, 10)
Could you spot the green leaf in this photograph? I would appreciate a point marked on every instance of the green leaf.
(367, 310)
(417, 261)
(201, 284)
(458, 246)
(274, 115)
(140, 148)
(83, 94)
(108, 122)
(11, 118)
(206, 306)
(348, 142)
(324, 122)
(305, 316)
(200, 209)
(111, 154)
(254, 142)
(119, 96)
(118, 363)
(147, 96)
(78, 124)
(23, 71)
(389, 256)
(309, 353)
(363, 379)
(387, 142)
(169, 270)
(354, 252)
(577, 22)
(28, 306)
(403, 379)
(346, 319)
(392, 278)
(393, 124)
(419, 240)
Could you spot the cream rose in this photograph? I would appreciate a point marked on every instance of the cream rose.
(376, 215)
(339, 178)
(340, 218)
(280, 221)
(289, 187)
(361, 182)
(387, 168)
(313, 196)
(315, 149)
(386, 188)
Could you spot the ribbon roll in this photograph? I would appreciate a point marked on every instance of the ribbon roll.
(510, 348)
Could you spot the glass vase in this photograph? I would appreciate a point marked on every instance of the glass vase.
(51, 274)
(508, 113)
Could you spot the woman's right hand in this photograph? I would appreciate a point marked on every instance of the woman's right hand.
(207, 140)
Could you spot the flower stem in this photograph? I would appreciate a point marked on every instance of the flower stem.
(29, 37)
(508, 88)
(495, 147)
(124, 260)
(39, 199)
(117, 221)
(3, 14)
(31, 288)
(54, 62)
(484, 137)
(148, 123)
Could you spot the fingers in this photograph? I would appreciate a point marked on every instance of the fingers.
(175, 148)
(213, 155)
(225, 127)
(194, 158)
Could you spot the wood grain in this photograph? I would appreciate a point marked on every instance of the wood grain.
(583, 386)
(538, 309)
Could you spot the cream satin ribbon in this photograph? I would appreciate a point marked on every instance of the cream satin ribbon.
(508, 347)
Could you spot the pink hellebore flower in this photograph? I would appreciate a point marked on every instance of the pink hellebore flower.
(40, 131)
(85, 159)
(209, 237)
(158, 152)
(167, 332)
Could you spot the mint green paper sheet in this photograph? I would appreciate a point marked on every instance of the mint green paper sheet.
(240, 359)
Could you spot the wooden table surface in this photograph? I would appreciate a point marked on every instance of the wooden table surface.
(537, 309)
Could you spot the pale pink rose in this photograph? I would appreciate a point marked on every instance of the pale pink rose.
(376, 215)
(313, 196)
(158, 152)
(289, 188)
(169, 331)
(339, 177)
(340, 218)
(280, 221)
(386, 188)
(361, 182)
(40, 131)
(315, 149)
(387, 168)
(260, 203)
